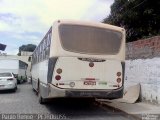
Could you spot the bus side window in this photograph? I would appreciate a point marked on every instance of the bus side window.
(46, 52)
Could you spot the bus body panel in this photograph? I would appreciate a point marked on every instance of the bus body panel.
(103, 75)
(55, 92)
(39, 72)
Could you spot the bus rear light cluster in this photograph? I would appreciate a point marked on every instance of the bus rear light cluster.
(119, 74)
(59, 70)
(57, 77)
(118, 80)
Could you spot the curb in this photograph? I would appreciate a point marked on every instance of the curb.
(102, 104)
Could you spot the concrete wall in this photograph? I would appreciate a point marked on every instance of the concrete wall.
(143, 66)
(147, 73)
(26, 53)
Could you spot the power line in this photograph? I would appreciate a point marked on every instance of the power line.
(138, 4)
(135, 6)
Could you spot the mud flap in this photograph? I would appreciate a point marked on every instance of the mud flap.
(130, 96)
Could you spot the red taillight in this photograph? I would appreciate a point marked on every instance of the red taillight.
(10, 79)
(118, 80)
(59, 70)
(57, 77)
(118, 74)
(91, 64)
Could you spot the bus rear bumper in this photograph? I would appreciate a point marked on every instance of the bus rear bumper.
(109, 94)
(75, 93)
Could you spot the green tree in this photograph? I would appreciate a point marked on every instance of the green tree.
(140, 18)
(29, 48)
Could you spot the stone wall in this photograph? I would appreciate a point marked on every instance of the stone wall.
(144, 48)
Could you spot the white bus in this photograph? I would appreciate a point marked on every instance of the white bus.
(15, 66)
(79, 59)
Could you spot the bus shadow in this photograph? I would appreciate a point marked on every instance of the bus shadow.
(74, 108)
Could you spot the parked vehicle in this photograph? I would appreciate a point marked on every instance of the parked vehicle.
(79, 59)
(8, 81)
(15, 66)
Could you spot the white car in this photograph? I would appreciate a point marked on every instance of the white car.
(8, 81)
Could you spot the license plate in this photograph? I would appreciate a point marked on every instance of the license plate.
(89, 83)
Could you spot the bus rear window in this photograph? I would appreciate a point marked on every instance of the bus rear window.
(89, 40)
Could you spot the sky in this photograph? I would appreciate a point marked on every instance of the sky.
(27, 21)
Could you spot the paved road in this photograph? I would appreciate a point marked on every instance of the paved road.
(25, 101)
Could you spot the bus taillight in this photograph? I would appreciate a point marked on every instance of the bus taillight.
(57, 77)
(59, 70)
(118, 80)
(118, 74)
